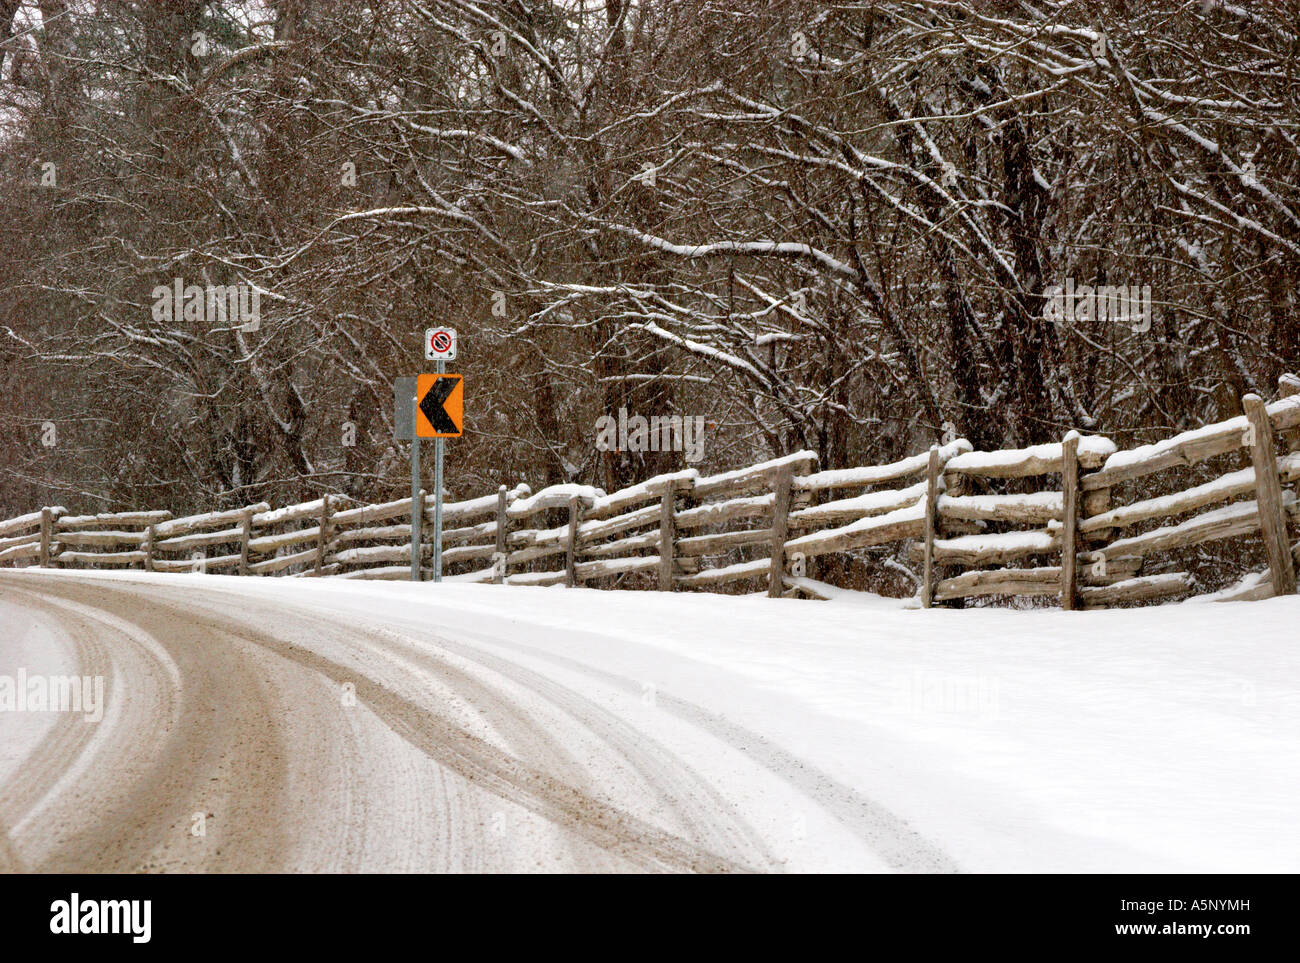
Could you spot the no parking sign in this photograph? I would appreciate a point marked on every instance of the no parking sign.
(440, 344)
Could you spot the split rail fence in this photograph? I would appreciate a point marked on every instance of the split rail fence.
(973, 523)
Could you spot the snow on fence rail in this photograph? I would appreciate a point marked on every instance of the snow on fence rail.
(976, 523)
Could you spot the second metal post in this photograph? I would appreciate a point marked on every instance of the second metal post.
(417, 503)
(437, 497)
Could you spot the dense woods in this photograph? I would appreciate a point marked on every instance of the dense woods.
(828, 226)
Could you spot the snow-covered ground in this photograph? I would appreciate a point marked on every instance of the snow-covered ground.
(858, 735)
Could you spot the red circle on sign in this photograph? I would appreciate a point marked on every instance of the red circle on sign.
(441, 341)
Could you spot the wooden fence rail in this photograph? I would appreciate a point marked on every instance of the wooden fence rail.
(975, 523)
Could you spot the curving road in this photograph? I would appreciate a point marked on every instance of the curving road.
(245, 732)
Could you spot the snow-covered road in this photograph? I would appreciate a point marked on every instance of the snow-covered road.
(317, 725)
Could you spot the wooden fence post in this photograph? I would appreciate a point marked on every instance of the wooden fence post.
(667, 537)
(571, 546)
(1070, 521)
(246, 532)
(931, 523)
(148, 548)
(1093, 502)
(1096, 501)
(45, 538)
(322, 535)
(499, 576)
(1268, 497)
(780, 530)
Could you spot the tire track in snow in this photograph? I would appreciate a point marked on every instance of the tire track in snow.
(125, 799)
(202, 640)
(902, 847)
(68, 734)
(706, 813)
(487, 766)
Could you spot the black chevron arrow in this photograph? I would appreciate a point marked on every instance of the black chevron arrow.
(432, 405)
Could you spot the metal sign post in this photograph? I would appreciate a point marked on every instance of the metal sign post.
(417, 502)
(439, 346)
(437, 496)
